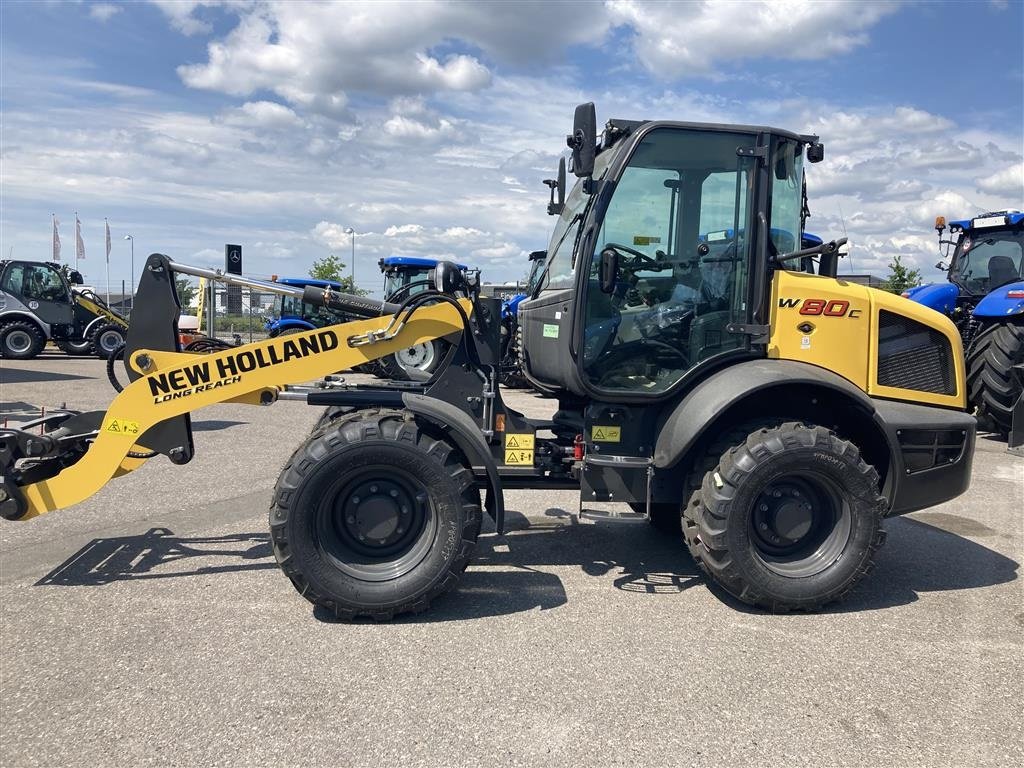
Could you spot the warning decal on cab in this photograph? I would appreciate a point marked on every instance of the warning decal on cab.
(519, 448)
(605, 434)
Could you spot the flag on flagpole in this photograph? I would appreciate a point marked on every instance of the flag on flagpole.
(107, 225)
(79, 243)
(56, 238)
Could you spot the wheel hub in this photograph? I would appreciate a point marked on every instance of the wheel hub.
(784, 514)
(378, 514)
(18, 341)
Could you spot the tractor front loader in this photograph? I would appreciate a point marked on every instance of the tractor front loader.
(712, 376)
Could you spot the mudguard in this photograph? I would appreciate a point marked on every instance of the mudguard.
(698, 410)
(466, 435)
(998, 304)
(938, 296)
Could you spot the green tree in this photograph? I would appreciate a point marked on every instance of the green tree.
(186, 291)
(332, 268)
(901, 277)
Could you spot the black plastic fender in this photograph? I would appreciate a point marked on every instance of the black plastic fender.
(698, 410)
(467, 436)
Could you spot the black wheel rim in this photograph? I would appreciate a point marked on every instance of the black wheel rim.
(376, 524)
(19, 341)
(800, 524)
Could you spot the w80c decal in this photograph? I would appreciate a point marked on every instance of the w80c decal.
(824, 307)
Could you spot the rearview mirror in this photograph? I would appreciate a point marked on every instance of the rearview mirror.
(815, 153)
(583, 140)
(609, 269)
(76, 278)
(941, 265)
(557, 185)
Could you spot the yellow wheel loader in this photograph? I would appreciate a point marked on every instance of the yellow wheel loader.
(712, 378)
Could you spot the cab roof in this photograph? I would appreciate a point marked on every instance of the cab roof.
(991, 219)
(412, 261)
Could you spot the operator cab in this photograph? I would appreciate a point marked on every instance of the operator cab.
(989, 252)
(405, 276)
(41, 288)
(659, 265)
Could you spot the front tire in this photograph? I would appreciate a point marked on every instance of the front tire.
(106, 339)
(21, 340)
(373, 517)
(789, 519)
(991, 385)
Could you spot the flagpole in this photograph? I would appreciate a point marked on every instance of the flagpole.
(107, 225)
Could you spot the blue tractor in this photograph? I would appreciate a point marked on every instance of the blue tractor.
(405, 276)
(511, 365)
(292, 315)
(984, 297)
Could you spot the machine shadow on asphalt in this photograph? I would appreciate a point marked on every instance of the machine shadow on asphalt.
(504, 577)
(127, 558)
(9, 375)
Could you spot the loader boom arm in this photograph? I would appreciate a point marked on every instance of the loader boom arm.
(170, 384)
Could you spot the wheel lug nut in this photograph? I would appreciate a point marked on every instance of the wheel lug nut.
(350, 520)
(764, 526)
(776, 494)
(405, 510)
(373, 489)
(400, 530)
(355, 499)
(394, 494)
(361, 537)
(764, 507)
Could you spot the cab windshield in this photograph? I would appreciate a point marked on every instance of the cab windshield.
(402, 283)
(986, 260)
(559, 262)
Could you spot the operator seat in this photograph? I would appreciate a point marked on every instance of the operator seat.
(1001, 271)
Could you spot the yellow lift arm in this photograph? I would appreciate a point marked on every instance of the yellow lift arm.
(174, 383)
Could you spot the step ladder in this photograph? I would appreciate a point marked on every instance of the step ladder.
(590, 497)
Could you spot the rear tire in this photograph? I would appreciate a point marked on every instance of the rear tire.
(373, 517)
(105, 339)
(991, 385)
(21, 340)
(789, 519)
(74, 348)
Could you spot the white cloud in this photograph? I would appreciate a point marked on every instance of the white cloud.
(1008, 183)
(104, 11)
(682, 39)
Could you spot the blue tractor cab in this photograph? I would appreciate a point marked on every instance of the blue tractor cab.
(984, 297)
(405, 276)
(291, 314)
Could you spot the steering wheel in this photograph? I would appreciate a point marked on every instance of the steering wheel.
(642, 259)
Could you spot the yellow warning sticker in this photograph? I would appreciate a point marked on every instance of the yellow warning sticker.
(519, 440)
(123, 427)
(517, 458)
(605, 434)
(645, 240)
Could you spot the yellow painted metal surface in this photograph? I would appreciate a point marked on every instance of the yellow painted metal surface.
(96, 309)
(179, 383)
(834, 324)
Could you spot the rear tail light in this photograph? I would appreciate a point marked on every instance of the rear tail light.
(905, 294)
(1016, 293)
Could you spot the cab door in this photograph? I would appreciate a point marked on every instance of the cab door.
(41, 288)
(677, 226)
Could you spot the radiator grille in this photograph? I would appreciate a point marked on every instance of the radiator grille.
(913, 356)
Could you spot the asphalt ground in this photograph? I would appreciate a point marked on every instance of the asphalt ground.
(149, 625)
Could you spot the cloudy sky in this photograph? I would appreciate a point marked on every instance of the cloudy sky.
(428, 127)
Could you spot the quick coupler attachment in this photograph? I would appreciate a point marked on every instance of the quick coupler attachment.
(17, 444)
